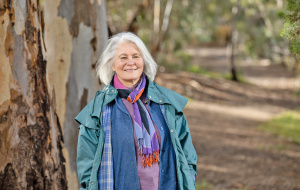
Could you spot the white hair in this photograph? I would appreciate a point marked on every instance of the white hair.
(106, 60)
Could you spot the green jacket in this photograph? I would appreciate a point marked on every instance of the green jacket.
(91, 135)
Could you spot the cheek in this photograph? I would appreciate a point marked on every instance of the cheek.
(117, 66)
(142, 63)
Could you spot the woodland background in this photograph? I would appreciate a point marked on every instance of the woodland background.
(237, 61)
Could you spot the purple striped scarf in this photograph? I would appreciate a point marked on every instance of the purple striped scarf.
(143, 125)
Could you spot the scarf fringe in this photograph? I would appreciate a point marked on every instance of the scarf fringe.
(150, 159)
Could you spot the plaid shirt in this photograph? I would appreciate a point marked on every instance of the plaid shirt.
(105, 173)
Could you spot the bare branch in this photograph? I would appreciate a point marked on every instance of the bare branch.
(132, 19)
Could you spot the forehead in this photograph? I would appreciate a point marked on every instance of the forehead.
(127, 48)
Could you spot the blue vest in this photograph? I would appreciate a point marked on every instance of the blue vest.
(125, 168)
(167, 175)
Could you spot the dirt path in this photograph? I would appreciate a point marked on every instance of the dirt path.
(224, 117)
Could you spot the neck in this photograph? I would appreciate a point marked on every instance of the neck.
(119, 83)
(129, 84)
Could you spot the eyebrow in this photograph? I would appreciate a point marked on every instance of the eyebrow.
(126, 54)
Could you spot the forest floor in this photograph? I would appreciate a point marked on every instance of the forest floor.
(224, 119)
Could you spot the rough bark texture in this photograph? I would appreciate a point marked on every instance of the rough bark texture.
(75, 34)
(30, 132)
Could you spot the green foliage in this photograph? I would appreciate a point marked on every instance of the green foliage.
(184, 58)
(286, 125)
(197, 69)
(208, 22)
(278, 147)
(204, 185)
(291, 29)
(240, 77)
(296, 93)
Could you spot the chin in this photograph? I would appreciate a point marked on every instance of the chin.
(133, 79)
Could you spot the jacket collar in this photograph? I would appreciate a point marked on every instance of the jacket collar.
(103, 97)
(163, 95)
(155, 93)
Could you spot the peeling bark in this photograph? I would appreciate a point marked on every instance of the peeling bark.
(9, 178)
(30, 145)
(83, 14)
(80, 33)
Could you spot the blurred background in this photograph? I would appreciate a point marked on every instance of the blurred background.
(237, 61)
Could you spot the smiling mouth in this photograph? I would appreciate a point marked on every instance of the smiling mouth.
(130, 70)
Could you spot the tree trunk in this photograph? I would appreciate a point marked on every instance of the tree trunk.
(75, 35)
(160, 34)
(166, 19)
(30, 132)
(234, 37)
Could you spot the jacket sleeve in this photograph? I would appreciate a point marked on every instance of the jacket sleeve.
(86, 149)
(187, 146)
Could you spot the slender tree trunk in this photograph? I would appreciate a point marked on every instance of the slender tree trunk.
(156, 28)
(160, 33)
(30, 132)
(280, 3)
(234, 37)
(75, 34)
(166, 19)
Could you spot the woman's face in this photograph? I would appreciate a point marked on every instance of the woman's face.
(128, 64)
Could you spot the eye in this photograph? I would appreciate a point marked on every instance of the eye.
(123, 58)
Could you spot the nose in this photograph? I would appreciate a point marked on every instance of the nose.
(130, 61)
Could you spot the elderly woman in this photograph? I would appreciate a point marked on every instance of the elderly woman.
(133, 134)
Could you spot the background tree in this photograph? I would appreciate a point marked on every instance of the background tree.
(75, 34)
(291, 28)
(233, 40)
(30, 131)
(48, 50)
